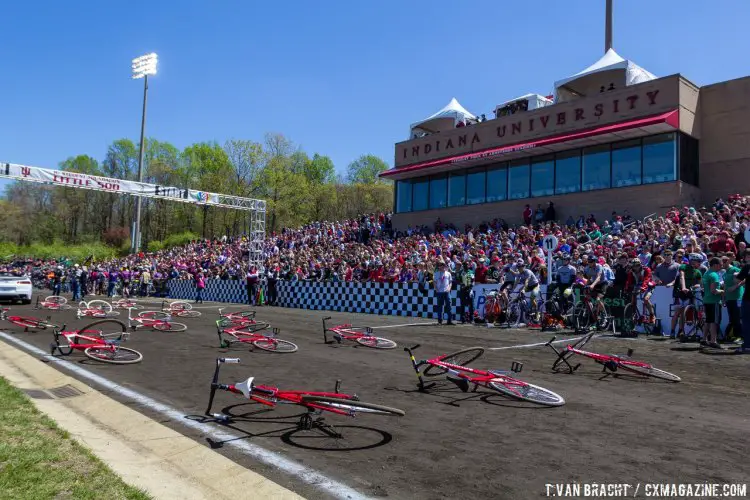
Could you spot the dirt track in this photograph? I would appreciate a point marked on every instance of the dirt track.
(451, 444)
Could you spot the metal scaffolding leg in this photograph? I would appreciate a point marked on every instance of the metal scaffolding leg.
(257, 233)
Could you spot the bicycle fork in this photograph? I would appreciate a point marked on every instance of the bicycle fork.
(416, 364)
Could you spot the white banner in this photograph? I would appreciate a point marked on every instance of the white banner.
(119, 186)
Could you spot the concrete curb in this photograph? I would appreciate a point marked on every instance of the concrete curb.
(141, 451)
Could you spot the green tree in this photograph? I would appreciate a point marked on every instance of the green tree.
(365, 170)
(320, 170)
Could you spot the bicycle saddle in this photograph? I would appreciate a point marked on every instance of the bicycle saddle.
(245, 387)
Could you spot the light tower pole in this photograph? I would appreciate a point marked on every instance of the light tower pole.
(142, 67)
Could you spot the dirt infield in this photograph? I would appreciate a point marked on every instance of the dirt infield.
(452, 444)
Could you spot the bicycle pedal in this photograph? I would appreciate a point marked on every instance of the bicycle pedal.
(337, 338)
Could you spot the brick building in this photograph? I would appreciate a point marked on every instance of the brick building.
(613, 137)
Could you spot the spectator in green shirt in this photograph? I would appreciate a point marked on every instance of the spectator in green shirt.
(731, 296)
(712, 294)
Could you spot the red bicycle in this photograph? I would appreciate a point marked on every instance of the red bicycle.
(99, 340)
(454, 366)
(156, 320)
(355, 334)
(96, 309)
(180, 308)
(236, 333)
(315, 402)
(609, 362)
(244, 319)
(26, 321)
(53, 303)
(126, 304)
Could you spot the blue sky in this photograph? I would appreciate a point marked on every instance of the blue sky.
(340, 78)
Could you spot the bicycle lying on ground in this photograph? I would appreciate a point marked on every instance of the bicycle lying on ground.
(179, 308)
(454, 367)
(355, 334)
(126, 304)
(99, 340)
(96, 309)
(156, 320)
(315, 402)
(53, 303)
(246, 319)
(236, 333)
(26, 321)
(609, 362)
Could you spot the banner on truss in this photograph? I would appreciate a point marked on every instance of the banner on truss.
(120, 186)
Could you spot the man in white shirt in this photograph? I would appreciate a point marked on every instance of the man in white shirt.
(443, 281)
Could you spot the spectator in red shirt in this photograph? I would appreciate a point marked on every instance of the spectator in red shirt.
(527, 215)
(480, 275)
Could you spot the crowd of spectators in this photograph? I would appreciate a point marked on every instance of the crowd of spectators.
(368, 249)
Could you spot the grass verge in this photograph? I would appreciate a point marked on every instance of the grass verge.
(38, 460)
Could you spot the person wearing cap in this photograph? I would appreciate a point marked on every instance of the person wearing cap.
(529, 281)
(495, 272)
(712, 297)
(75, 283)
(639, 280)
(566, 275)
(687, 281)
(465, 279)
(443, 281)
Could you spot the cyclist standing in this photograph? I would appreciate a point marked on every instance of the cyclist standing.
(639, 278)
(689, 277)
(530, 283)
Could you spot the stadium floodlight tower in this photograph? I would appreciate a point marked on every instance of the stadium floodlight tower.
(142, 67)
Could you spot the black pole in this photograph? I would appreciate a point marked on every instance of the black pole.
(136, 243)
(608, 27)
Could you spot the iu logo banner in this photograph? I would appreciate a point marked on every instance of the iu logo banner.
(25, 171)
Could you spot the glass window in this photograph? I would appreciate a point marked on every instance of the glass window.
(475, 187)
(626, 163)
(568, 172)
(403, 196)
(596, 168)
(689, 160)
(659, 155)
(438, 192)
(518, 180)
(543, 176)
(420, 193)
(457, 190)
(497, 184)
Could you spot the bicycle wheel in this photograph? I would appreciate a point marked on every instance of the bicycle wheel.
(648, 371)
(153, 315)
(114, 354)
(692, 319)
(252, 327)
(56, 299)
(242, 315)
(28, 322)
(461, 358)
(275, 345)
(603, 318)
(629, 319)
(188, 314)
(513, 315)
(376, 342)
(100, 304)
(524, 391)
(352, 406)
(179, 305)
(169, 326)
(577, 345)
(581, 317)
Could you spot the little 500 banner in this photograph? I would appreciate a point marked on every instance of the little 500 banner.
(87, 181)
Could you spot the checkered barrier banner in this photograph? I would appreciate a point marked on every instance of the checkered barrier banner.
(396, 299)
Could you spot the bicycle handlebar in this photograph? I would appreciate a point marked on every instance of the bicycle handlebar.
(326, 318)
(412, 348)
(228, 360)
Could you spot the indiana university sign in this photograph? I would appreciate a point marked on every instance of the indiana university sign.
(609, 107)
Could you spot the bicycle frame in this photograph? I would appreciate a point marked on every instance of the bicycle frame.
(25, 321)
(345, 331)
(236, 332)
(271, 396)
(608, 361)
(459, 374)
(73, 341)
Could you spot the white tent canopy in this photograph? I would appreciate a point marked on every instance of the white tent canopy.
(610, 70)
(445, 119)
